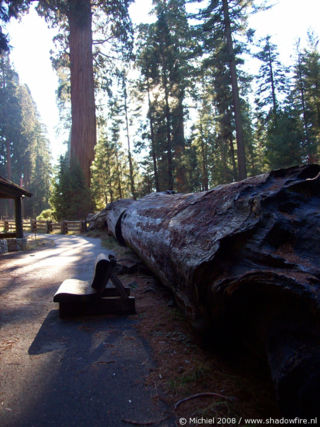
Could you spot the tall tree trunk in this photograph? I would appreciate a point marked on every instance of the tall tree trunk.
(168, 129)
(273, 89)
(179, 144)
(133, 191)
(235, 94)
(153, 145)
(204, 160)
(83, 133)
(224, 161)
(118, 174)
(303, 103)
(233, 160)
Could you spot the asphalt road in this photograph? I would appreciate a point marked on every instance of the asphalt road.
(82, 372)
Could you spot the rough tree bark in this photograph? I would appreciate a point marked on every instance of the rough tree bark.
(83, 132)
(113, 216)
(244, 258)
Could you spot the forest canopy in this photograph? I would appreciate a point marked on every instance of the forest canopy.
(175, 106)
(197, 117)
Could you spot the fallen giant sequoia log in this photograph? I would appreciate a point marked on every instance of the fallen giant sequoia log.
(244, 257)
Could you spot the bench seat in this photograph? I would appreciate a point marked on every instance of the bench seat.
(79, 297)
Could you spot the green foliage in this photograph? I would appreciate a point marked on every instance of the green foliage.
(10, 9)
(106, 173)
(272, 81)
(111, 174)
(46, 215)
(279, 133)
(284, 140)
(221, 32)
(163, 53)
(24, 150)
(70, 199)
(181, 103)
(305, 96)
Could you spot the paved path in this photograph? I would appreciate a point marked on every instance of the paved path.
(82, 372)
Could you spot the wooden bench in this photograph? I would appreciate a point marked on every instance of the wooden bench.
(79, 297)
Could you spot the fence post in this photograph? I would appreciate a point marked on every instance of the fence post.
(83, 228)
(49, 227)
(64, 227)
(33, 225)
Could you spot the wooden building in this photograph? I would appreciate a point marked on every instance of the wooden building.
(9, 190)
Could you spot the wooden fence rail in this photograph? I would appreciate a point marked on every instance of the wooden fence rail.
(8, 227)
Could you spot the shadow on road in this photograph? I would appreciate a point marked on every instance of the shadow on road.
(85, 371)
(97, 374)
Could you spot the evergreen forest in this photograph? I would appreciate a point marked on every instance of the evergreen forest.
(24, 147)
(170, 104)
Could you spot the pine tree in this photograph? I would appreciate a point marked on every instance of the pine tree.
(163, 61)
(305, 96)
(147, 64)
(126, 116)
(71, 198)
(101, 173)
(111, 172)
(24, 151)
(199, 153)
(222, 21)
(108, 171)
(272, 80)
(283, 140)
(10, 118)
(227, 11)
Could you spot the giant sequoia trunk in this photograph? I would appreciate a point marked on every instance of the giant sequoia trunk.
(243, 258)
(83, 132)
